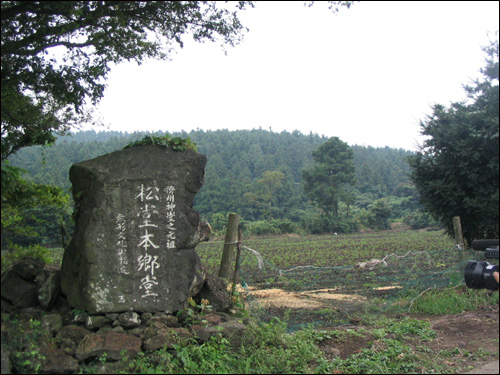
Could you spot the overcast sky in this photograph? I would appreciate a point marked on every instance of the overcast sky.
(366, 75)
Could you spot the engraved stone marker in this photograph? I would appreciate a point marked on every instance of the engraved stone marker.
(136, 231)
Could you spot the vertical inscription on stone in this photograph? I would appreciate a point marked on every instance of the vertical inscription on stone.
(147, 263)
(149, 201)
(121, 243)
(170, 205)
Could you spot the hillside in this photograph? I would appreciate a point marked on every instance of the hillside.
(237, 161)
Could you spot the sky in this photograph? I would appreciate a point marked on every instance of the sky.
(367, 74)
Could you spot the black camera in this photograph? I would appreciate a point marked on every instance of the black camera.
(479, 274)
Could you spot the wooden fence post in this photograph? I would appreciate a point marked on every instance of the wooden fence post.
(457, 229)
(459, 238)
(229, 245)
(237, 264)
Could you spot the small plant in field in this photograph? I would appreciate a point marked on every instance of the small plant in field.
(103, 358)
(238, 303)
(204, 306)
(193, 312)
(401, 329)
(378, 333)
(386, 356)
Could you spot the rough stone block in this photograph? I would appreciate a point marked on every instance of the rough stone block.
(136, 231)
(115, 345)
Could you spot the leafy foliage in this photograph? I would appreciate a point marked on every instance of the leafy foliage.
(457, 170)
(44, 93)
(22, 340)
(266, 349)
(17, 253)
(176, 143)
(28, 209)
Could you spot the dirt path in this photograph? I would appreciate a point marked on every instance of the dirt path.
(489, 368)
(473, 332)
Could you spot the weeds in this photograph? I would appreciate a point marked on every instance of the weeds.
(193, 313)
(23, 341)
(266, 348)
(452, 301)
(386, 356)
(408, 326)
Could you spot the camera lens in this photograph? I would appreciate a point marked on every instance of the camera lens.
(479, 275)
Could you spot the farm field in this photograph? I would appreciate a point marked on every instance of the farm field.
(293, 250)
(322, 279)
(343, 252)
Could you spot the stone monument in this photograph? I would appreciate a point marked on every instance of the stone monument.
(136, 231)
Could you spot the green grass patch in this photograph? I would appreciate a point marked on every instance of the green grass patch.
(406, 327)
(452, 301)
(386, 356)
(266, 348)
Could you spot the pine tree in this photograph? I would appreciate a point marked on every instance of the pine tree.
(456, 171)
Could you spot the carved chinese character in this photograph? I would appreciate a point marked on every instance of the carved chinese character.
(146, 241)
(148, 263)
(148, 193)
(146, 284)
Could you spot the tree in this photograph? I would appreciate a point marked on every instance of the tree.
(456, 171)
(19, 199)
(43, 93)
(272, 180)
(327, 180)
(379, 214)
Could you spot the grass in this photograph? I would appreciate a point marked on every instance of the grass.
(265, 348)
(386, 356)
(452, 301)
(392, 346)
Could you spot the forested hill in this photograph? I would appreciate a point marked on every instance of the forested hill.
(237, 161)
